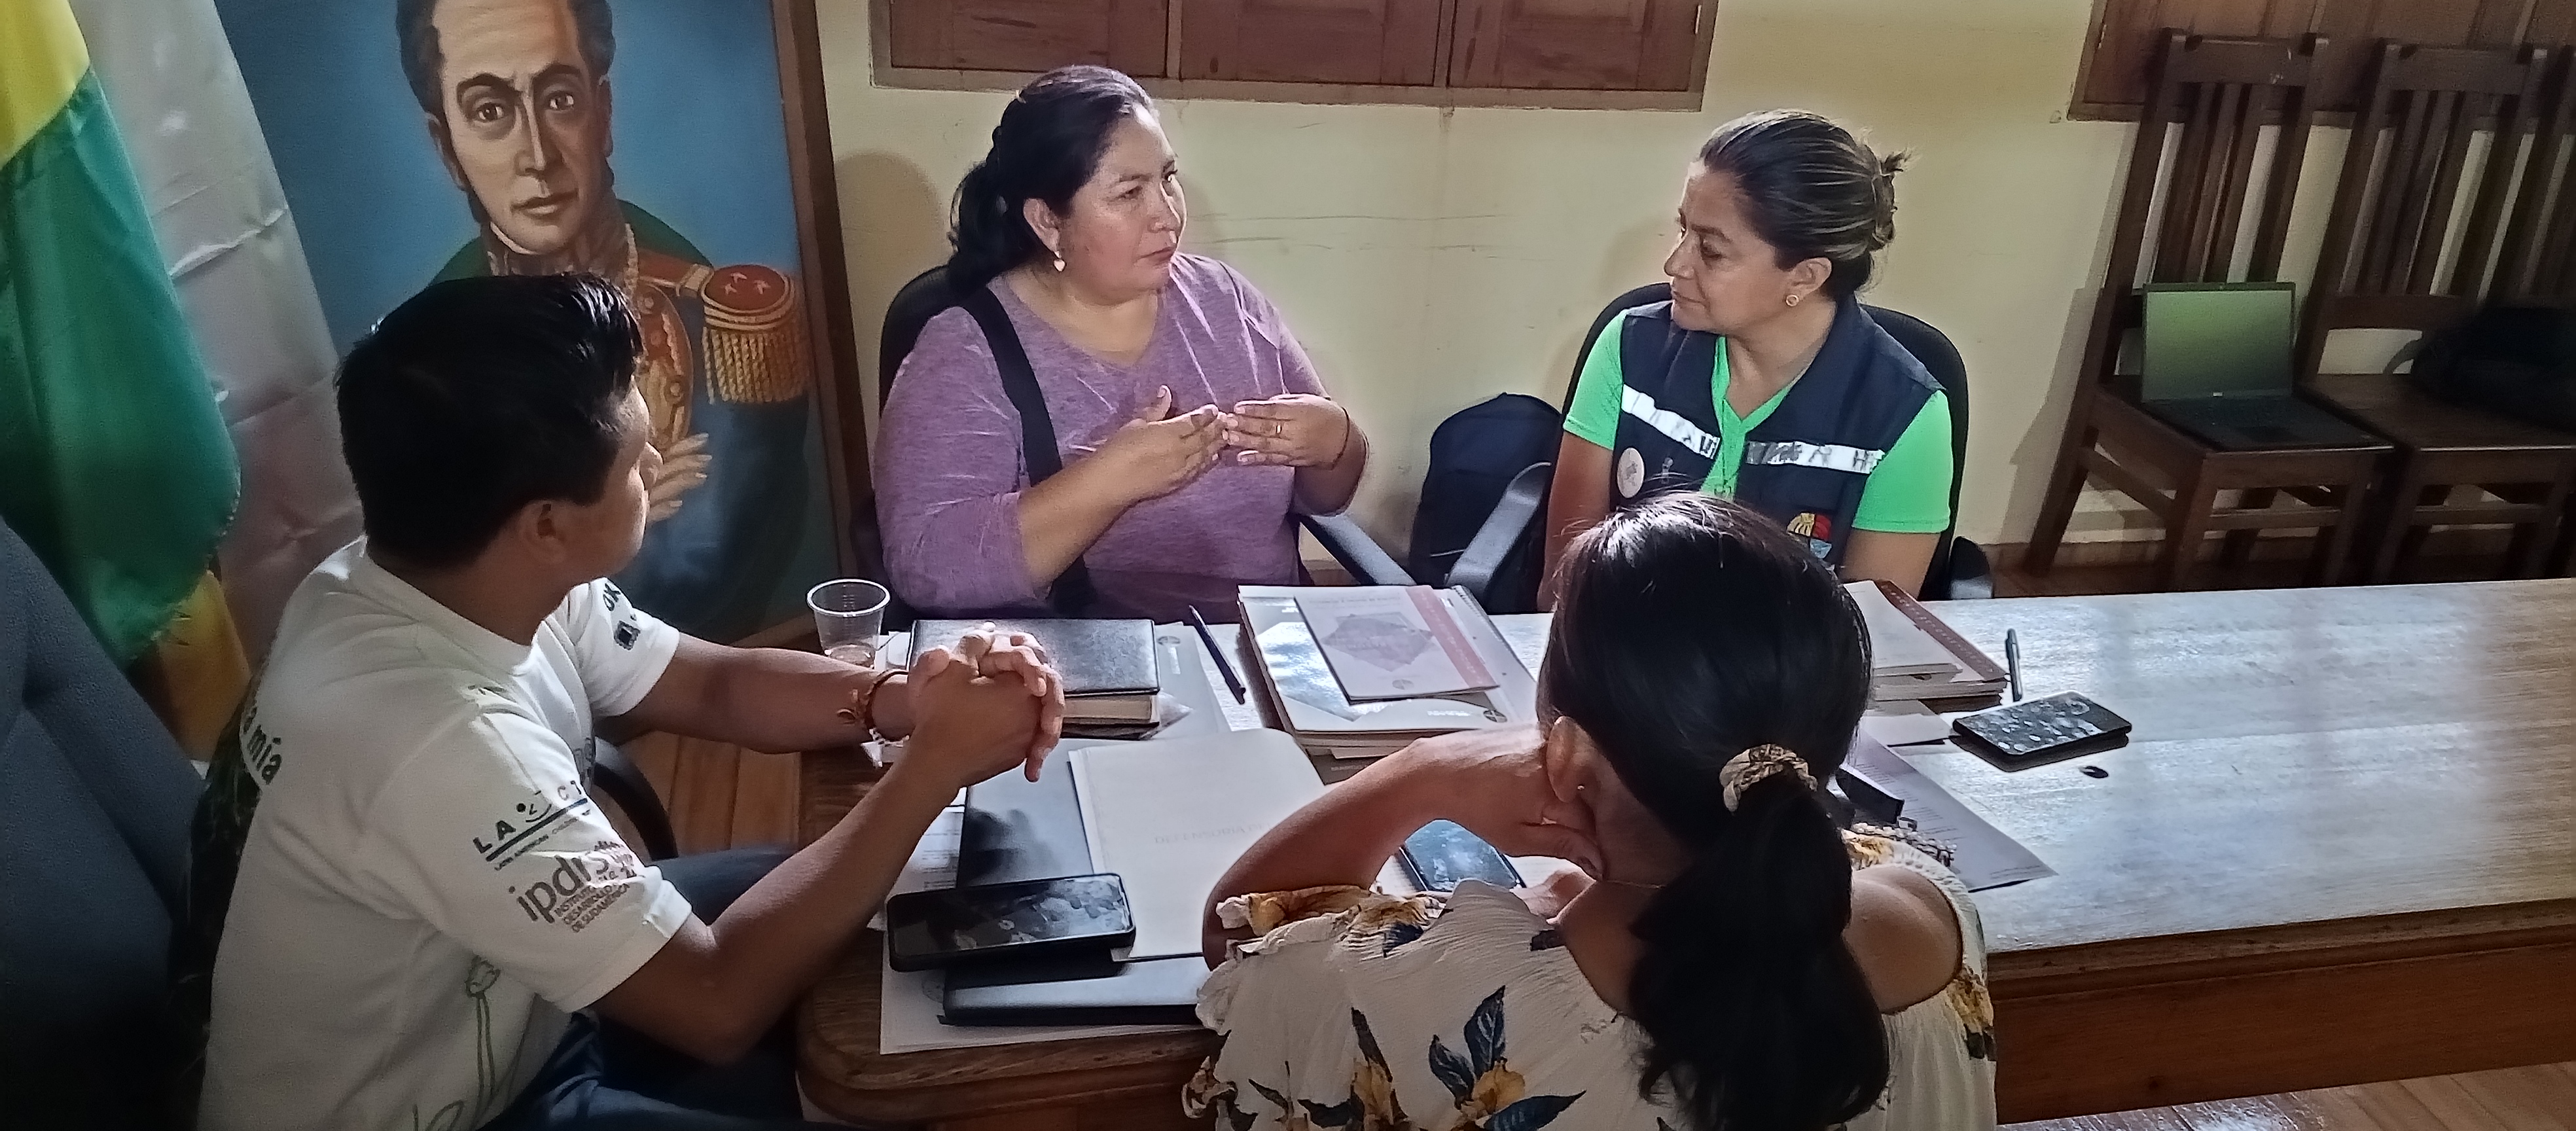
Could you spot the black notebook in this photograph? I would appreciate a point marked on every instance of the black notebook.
(1097, 657)
(1083, 990)
(1017, 829)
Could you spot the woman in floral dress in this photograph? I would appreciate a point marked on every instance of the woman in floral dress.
(1728, 958)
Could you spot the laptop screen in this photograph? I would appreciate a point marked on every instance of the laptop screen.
(2218, 339)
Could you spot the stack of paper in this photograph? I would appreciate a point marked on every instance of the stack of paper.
(1169, 817)
(1391, 642)
(1298, 673)
(1982, 856)
(1913, 656)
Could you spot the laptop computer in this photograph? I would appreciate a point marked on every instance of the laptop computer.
(2216, 364)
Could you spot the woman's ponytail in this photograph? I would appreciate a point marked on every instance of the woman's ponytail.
(987, 236)
(1046, 147)
(1698, 645)
(1759, 1018)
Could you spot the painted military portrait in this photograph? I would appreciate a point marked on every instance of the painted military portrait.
(638, 141)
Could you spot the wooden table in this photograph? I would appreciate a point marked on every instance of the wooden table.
(2340, 849)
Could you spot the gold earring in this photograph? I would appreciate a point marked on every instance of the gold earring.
(1793, 298)
(1059, 263)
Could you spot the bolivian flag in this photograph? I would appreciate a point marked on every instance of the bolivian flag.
(114, 463)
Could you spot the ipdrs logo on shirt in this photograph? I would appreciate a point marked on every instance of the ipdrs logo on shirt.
(581, 886)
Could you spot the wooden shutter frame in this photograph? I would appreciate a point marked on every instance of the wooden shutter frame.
(887, 74)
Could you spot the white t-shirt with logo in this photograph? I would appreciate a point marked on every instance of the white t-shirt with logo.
(426, 888)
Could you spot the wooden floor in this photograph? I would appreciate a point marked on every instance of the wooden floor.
(2539, 1098)
(718, 795)
(722, 796)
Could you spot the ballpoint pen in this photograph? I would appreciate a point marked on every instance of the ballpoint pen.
(1222, 668)
(2012, 661)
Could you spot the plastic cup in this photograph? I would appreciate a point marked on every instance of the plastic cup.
(849, 618)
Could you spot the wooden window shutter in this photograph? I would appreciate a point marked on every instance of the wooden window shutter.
(2125, 32)
(1365, 42)
(2129, 31)
(1577, 44)
(1027, 35)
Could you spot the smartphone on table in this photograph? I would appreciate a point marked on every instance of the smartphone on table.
(927, 930)
(2039, 731)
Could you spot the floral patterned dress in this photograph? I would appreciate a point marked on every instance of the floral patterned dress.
(1377, 1013)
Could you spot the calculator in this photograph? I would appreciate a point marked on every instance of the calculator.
(2058, 725)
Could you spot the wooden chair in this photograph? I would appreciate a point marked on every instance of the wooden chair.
(2389, 262)
(2539, 246)
(2221, 92)
(2539, 260)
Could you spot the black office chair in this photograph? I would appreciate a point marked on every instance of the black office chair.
(94, 804)
(1959, 566)
(928, 293)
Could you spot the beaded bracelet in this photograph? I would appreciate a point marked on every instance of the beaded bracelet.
(864, 709)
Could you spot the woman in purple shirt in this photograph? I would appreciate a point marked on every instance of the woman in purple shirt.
(1191, 425)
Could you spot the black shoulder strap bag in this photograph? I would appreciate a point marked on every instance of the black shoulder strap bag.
(1071, 595)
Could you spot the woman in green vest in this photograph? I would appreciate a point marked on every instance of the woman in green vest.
(1764, 380)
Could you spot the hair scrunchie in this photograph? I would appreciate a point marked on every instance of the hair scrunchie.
(1741, 772)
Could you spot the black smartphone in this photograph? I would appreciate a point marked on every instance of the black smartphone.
(1441, 853)
(927, 930)
(2043, 730)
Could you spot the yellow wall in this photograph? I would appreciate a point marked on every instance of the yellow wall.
(1430, 258)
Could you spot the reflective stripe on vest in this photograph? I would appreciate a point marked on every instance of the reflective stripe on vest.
(1795, 453)
(1804, 466)
(1671, 424)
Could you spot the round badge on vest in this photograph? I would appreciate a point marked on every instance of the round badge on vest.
(1632, 473)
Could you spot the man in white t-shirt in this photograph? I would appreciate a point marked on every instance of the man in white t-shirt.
(433, 927)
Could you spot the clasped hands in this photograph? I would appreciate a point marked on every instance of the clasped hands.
(1158, 452)
(994, 702)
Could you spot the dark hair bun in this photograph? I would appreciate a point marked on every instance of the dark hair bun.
(1046, 147)
(1885, 206)
(1811, 189)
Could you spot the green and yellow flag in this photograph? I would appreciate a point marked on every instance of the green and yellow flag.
(114, 463)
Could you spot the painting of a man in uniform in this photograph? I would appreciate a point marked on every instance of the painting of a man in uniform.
(521, 116)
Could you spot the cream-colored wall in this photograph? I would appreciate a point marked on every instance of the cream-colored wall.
(1431, 258)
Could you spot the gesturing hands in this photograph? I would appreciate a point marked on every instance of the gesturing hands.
(992, 704)
(1157, 453)
(1296, 430)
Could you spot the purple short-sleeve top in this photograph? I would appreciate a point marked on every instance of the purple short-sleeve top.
(949, 472)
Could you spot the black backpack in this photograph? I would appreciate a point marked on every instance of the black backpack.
(1488, 480)
(2518, 361)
